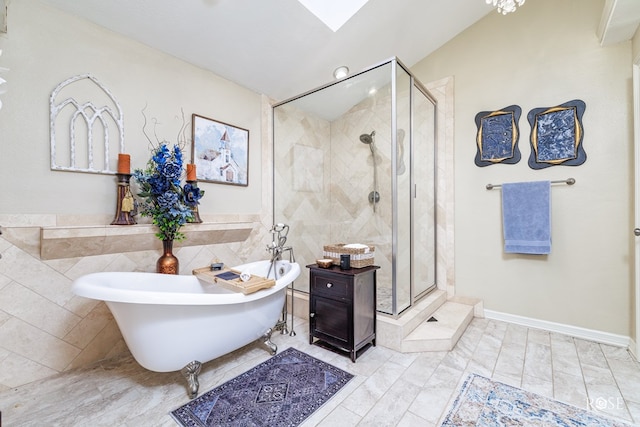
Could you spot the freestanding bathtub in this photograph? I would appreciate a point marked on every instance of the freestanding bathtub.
(178, 322)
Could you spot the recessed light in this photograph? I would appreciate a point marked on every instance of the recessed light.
(340, 72)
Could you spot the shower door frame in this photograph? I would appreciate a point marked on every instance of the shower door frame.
(417, 85)
(414, 84)
(394, 194)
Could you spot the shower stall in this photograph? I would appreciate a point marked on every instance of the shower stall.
(355, 162)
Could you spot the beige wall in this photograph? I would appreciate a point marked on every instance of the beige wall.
(543, 55)
(44, 47)
(44, 328)
(635, 42)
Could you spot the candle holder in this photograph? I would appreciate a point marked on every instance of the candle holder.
(195, 219)
(125, 209)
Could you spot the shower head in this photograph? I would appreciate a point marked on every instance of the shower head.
(366, 138)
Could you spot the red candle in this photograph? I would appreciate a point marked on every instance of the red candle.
(191, 172)
(124, 163)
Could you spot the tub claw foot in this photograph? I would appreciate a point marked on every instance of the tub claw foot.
(190, 372)
(266, 339)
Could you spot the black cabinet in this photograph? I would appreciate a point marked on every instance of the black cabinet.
(342, 307)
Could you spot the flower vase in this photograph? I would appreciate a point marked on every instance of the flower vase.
(167, 263)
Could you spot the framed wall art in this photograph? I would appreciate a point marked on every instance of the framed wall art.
(220, 151)
(556, 135)
(497, 137)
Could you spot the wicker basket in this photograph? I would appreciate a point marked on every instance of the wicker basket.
(359, 257)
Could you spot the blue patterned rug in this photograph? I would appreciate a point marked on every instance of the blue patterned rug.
(282, 391)
(483, 402)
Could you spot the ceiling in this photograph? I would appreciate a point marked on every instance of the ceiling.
(280, 49)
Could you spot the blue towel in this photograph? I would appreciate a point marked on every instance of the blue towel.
(526, 217)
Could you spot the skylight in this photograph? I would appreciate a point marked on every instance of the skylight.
(333, 13)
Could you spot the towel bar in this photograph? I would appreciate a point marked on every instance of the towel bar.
(568, 181)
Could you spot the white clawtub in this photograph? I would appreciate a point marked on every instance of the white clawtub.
(174, 322)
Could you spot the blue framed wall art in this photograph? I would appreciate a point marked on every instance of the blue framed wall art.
(497, 137)
(556, 135)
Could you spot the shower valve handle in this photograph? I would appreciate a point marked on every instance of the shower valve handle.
(329, 285)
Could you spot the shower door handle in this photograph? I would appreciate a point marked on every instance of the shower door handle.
(636, 231)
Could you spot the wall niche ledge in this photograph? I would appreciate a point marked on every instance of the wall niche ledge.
(80, 241)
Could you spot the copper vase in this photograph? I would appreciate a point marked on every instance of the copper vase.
(167, 263)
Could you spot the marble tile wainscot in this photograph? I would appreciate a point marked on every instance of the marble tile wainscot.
(69, 242)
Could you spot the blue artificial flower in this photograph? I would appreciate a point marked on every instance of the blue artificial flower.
(164, 200)
(159, 184)
(192, 194)
(167, 200)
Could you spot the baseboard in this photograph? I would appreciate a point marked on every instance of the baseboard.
(633, 349)
(574, 331)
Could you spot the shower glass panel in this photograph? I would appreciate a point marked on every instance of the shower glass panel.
(345, 171)
(402, 201)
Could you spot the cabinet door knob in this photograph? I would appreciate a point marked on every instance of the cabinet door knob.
(312, 315)
(329, 285)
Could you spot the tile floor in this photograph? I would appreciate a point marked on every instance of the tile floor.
(389, 388)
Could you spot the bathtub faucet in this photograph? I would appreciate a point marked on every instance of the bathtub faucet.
(278, 251)
(277, 248)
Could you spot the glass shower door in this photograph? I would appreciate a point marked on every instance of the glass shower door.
(424, 197)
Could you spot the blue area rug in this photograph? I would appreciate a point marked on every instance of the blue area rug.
(483, 402)
(282, 391)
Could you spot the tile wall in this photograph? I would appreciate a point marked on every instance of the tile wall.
(46, 329)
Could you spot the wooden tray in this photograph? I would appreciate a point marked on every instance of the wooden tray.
(252, 285)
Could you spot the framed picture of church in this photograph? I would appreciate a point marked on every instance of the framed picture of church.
(220, 151)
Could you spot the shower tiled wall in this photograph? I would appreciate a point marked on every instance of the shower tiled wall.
(302, 183)
(333, 207)
(352, 179)
(336, 208)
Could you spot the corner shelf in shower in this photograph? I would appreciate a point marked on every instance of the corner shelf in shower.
(71, 242)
